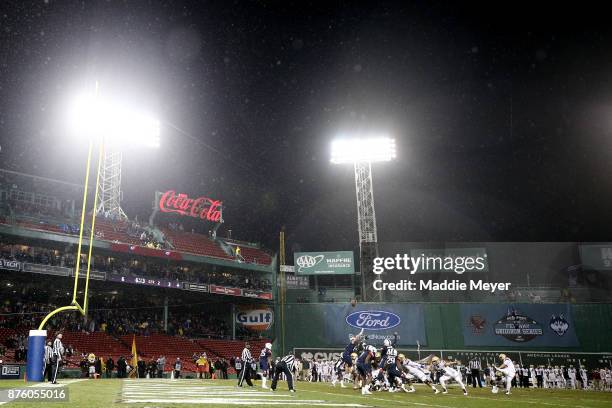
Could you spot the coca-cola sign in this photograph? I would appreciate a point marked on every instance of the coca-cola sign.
(204, 208)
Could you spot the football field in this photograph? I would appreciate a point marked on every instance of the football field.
(224, 393)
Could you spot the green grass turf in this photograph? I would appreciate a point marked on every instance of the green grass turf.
(113, 393)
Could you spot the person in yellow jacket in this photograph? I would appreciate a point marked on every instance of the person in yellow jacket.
(202, 365)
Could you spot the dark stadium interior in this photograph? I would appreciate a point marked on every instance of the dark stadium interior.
(501, 123)
(173, 201)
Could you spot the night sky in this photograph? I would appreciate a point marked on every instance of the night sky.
(503, 115)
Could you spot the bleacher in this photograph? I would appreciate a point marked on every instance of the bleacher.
(255, 255)
(100, 343)
(155, 345)
(5, 333)
(195, 243)
(148, 347)
(230, 348)
(117, 231)
(112, 231)
(41, 226)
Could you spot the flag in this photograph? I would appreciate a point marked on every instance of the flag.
(134, 372)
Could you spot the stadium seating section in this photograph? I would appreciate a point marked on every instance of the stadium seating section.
(114, 231)
(196, 244)
(43, 226)
(255, 255)
(193, 243)
(228, 348)
(148, 347)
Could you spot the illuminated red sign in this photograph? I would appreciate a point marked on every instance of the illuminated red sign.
(202, 207)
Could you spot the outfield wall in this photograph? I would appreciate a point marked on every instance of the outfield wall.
(445, 328)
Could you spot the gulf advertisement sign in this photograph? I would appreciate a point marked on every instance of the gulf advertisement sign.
(259, 319)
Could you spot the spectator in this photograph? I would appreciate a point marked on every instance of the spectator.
(161, 364)
(121, 367)
(178, 366)
(110, 366)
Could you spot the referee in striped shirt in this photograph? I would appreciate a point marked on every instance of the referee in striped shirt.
(58, 353)
(475, 368)
(48, 373)
(284, 366)
(247, 360)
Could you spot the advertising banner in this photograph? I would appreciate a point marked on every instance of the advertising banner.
(518, 325)
(47, 269)
(95, 275)
(310, 354)
(9, 264)
(379, 322)
(486, 357)
(196, 287)
(222, 290)
(256, 294)
(204, 208)
(259, 319)
(324, 263)
(10, 372)
(296, 282)
(597, 257)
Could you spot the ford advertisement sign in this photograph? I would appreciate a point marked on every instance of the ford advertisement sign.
(373, 320)
(379, 321)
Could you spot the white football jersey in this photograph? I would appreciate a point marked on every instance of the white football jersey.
(413, 364)
(509, 364)
(447, 370)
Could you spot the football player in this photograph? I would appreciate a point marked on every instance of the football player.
(264, 363)
(507, 370)
(448, 373)
(416, 370)
(364, 368)
(346, 358)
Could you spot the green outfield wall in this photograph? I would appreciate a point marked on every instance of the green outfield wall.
(308, 326)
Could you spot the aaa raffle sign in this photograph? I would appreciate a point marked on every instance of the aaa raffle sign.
(204, 208)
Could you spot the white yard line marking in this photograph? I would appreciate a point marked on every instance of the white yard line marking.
(59, 384)
(504, 398)
(197, 392)
(225, 401)
(200, 394)
(378, 399)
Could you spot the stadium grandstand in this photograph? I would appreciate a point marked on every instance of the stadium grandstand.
(174, 292)
(281, 204)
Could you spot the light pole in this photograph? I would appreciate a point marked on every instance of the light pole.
(118, 125)
(362, 152)
(110, 125)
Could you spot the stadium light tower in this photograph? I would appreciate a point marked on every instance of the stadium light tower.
(119, 125)
(362, 152)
